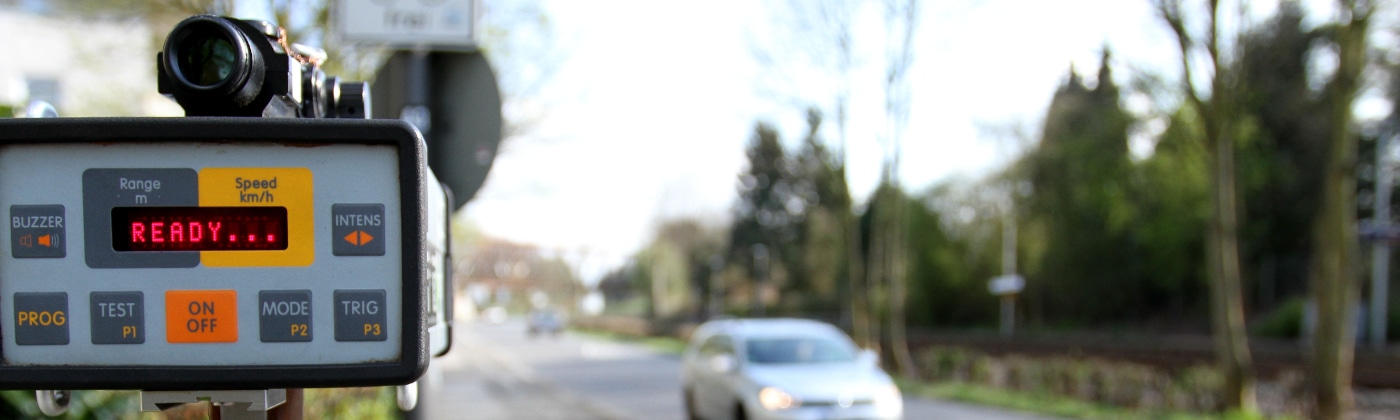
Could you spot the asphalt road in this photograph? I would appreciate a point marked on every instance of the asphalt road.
(495, 371)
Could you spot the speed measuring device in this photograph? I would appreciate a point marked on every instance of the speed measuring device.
(213, 253)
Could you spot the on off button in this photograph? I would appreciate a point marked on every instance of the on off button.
(201, 316)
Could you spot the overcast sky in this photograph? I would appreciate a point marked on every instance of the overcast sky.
(649, 115)
(649, 111)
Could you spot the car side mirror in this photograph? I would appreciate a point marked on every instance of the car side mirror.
(723, 363)
(868, 357)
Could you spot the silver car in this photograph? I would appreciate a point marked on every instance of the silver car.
(783, 369)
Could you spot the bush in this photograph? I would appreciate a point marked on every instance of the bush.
(1122, 384)
(1285, 321)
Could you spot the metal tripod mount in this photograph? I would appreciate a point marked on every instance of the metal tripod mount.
(232, 405)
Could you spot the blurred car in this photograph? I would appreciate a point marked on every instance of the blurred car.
(783, 369)
(545, 321)
(496, 314)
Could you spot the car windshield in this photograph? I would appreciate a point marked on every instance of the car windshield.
(797, 350)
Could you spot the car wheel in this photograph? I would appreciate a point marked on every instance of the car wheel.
(739, 412)
(688, 397)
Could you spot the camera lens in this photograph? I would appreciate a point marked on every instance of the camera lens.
(207, 61)
(209, 54)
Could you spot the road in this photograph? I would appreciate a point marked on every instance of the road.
(494, 371)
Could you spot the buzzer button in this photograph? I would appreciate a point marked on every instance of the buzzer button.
(37, 231)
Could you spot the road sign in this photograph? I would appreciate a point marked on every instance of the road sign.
(1006, 285)
(465, 105)
(409, 23)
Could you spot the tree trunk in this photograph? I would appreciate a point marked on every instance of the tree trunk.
(860, 300)
(877, 269)
(1227, 300)
(1334, 230)
(897, 273)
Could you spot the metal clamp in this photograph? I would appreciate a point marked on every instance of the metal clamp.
(53, 402)
(233, 405)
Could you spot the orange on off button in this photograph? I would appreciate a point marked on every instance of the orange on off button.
(201, 316)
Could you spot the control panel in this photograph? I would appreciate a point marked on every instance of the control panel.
(211, 253)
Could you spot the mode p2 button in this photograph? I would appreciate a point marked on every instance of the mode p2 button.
(201, 316)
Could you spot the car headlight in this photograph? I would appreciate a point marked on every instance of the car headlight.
(775, 399)
(887, 395)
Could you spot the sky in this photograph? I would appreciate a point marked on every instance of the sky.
(651, 104)
(649, 115)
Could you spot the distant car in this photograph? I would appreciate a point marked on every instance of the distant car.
(783, 369)
(496, 314)
(545, 321)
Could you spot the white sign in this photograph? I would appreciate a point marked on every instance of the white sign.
(1006, 285)
(409, 23)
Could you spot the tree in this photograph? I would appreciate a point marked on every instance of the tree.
(1334, 229)
(1218, 114)
(824, 35)
(770, 214)
(901, 21)
(1080, 179)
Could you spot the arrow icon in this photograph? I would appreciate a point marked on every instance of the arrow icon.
(358, 238)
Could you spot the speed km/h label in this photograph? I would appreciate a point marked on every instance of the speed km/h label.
(290, 188)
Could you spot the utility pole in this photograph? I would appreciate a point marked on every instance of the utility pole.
(1380, 249)
(716, 300)
(1008, 269)
(760, 281)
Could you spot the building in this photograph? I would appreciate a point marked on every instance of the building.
(84, 66)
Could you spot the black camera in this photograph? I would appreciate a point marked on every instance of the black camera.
(218, 66)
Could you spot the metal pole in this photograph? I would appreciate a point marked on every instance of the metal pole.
(1008, 268)
(1380, 250)
(716, 306)
(760, 281)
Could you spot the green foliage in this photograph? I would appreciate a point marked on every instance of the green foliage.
(350, 403)
(1082, 182)
(1285, 321)
(950, 261)
(1175, 211)
(84, 405)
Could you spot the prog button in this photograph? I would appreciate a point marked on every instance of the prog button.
(41, 318)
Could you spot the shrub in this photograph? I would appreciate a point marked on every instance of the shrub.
(1285, 321)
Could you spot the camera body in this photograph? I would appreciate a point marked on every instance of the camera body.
(307, 248)
(219, 66)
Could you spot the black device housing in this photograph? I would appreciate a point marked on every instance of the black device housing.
(299, 132)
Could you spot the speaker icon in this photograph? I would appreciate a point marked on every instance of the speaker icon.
(26, 241)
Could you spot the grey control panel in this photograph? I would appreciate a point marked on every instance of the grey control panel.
(172, 292)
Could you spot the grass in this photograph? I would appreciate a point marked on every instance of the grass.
(1051, 405)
